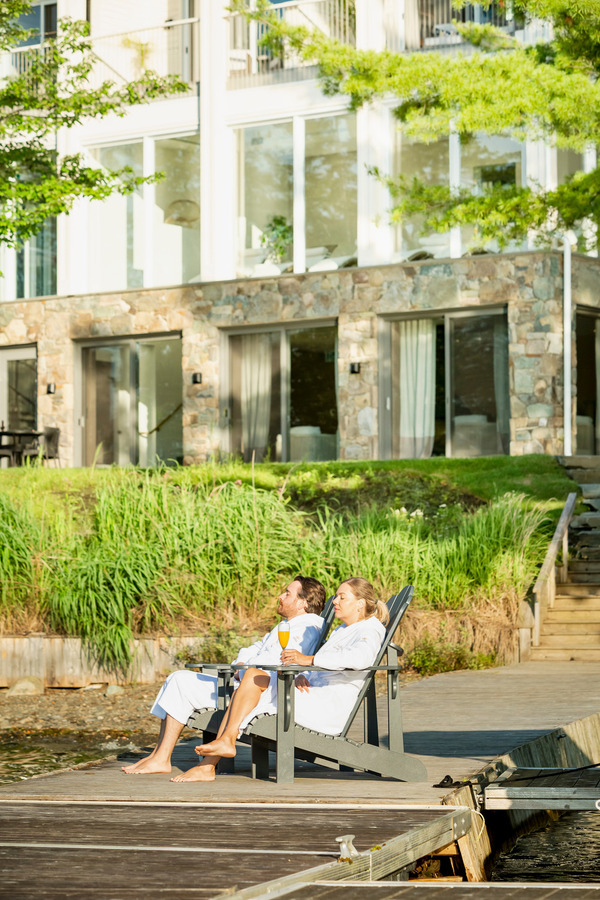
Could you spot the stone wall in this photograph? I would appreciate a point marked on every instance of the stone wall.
(528, 284)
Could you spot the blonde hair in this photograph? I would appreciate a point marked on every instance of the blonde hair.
(364, 590)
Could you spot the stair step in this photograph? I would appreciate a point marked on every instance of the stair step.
(585, 566)
(590, 579)
(590, 554)
(579, 462)
(590, 491)
(586, 520)
(594, 505)
(588, 617)
(586, 539)
(581, 590)
(568, 628)
(540, 654)
(570, 641)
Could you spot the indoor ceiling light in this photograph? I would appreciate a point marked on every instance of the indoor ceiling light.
(184, 213)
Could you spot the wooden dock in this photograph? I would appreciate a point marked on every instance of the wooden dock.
(547, 788)
(96, 833)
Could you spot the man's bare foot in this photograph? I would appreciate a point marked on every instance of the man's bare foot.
(197, 773)
(220, 747)
(146, 766)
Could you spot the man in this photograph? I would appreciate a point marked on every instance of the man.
(184, 691)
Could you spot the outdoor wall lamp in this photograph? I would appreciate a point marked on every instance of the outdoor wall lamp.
(51, 388)
(355, 368)
(197, 378)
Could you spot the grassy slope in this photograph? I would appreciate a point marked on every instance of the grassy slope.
(537, 477)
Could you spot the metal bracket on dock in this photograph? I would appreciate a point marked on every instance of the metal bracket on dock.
(461, 824)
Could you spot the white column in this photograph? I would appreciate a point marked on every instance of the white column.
(374, 148)
(299, 199)
(149, 195)
(535, 171)
(454, 182)
(216, 147)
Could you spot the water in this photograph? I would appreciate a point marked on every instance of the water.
(567, 850)
(27, 753)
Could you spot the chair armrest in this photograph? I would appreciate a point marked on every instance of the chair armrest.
(300, 668)
(213, 667)
(399, 650)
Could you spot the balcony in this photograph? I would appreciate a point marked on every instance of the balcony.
(252, 64)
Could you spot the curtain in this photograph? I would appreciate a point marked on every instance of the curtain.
(417, 388)
(412, 25)
(256, 394)
(501, 391)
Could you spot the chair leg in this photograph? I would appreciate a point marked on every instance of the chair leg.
(259, 756)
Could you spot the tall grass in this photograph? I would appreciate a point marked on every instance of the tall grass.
(156, 553)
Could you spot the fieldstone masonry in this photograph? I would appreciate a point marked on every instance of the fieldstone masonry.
(529, 285)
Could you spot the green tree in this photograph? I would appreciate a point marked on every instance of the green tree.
(53, 90)
(550, 91)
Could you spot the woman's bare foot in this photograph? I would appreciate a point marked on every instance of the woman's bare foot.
(222, 746)
(203, 772)
(146, 766)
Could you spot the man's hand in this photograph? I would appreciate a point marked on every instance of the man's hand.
(302, 683)
(295, 658)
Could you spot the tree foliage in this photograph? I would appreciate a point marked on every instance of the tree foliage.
(55, 89)
(549, 92)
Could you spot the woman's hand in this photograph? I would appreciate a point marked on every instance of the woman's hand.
(302, 683)
(295, 658)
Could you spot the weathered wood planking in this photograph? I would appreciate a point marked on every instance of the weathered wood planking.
(539, 788)
(49, 851)
(413, 891)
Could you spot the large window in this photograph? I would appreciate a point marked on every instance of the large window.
(282, 402)
(431, 163)
(36, 263)
(297, 196)
(18, 388)
(445, 386)
(150, 237)
(132, 401)
(265, 199)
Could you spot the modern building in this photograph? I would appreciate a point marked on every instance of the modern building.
(258, 300)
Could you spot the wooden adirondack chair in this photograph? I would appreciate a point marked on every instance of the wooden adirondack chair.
(289, 740)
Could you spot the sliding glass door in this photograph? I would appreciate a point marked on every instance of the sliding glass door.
(282, 398)
(132, 401)
(588, 382)
(18, 388)
(445, 386)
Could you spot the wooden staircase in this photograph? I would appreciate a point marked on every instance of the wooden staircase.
(570, 630)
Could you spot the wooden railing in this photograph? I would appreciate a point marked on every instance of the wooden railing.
(544, 591)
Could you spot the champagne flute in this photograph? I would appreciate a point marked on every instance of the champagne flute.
(283, 633)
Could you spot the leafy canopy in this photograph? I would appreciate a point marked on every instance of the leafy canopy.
(549, 92)
(55, 89)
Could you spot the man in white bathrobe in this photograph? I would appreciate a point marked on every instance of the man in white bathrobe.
(185, 691)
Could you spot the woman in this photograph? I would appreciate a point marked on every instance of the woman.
(324, 699)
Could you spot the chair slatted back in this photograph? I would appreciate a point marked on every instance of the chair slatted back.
(328, 616)
(397, 606)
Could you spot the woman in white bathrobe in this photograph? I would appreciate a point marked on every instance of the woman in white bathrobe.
(324, 699)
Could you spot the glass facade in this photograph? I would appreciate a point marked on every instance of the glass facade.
(431, 163)
(132, 401)
(588, 382)
(283, 394)
(117, 230)
(36, 263)
(265, 237)
(176, 211)
(449, 386)
(330, 192)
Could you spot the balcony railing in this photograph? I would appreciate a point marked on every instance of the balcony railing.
(251, 63)
(169, 49)
(429, 24)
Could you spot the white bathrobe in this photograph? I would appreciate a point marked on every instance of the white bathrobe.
(185, 691)
(331, 696)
